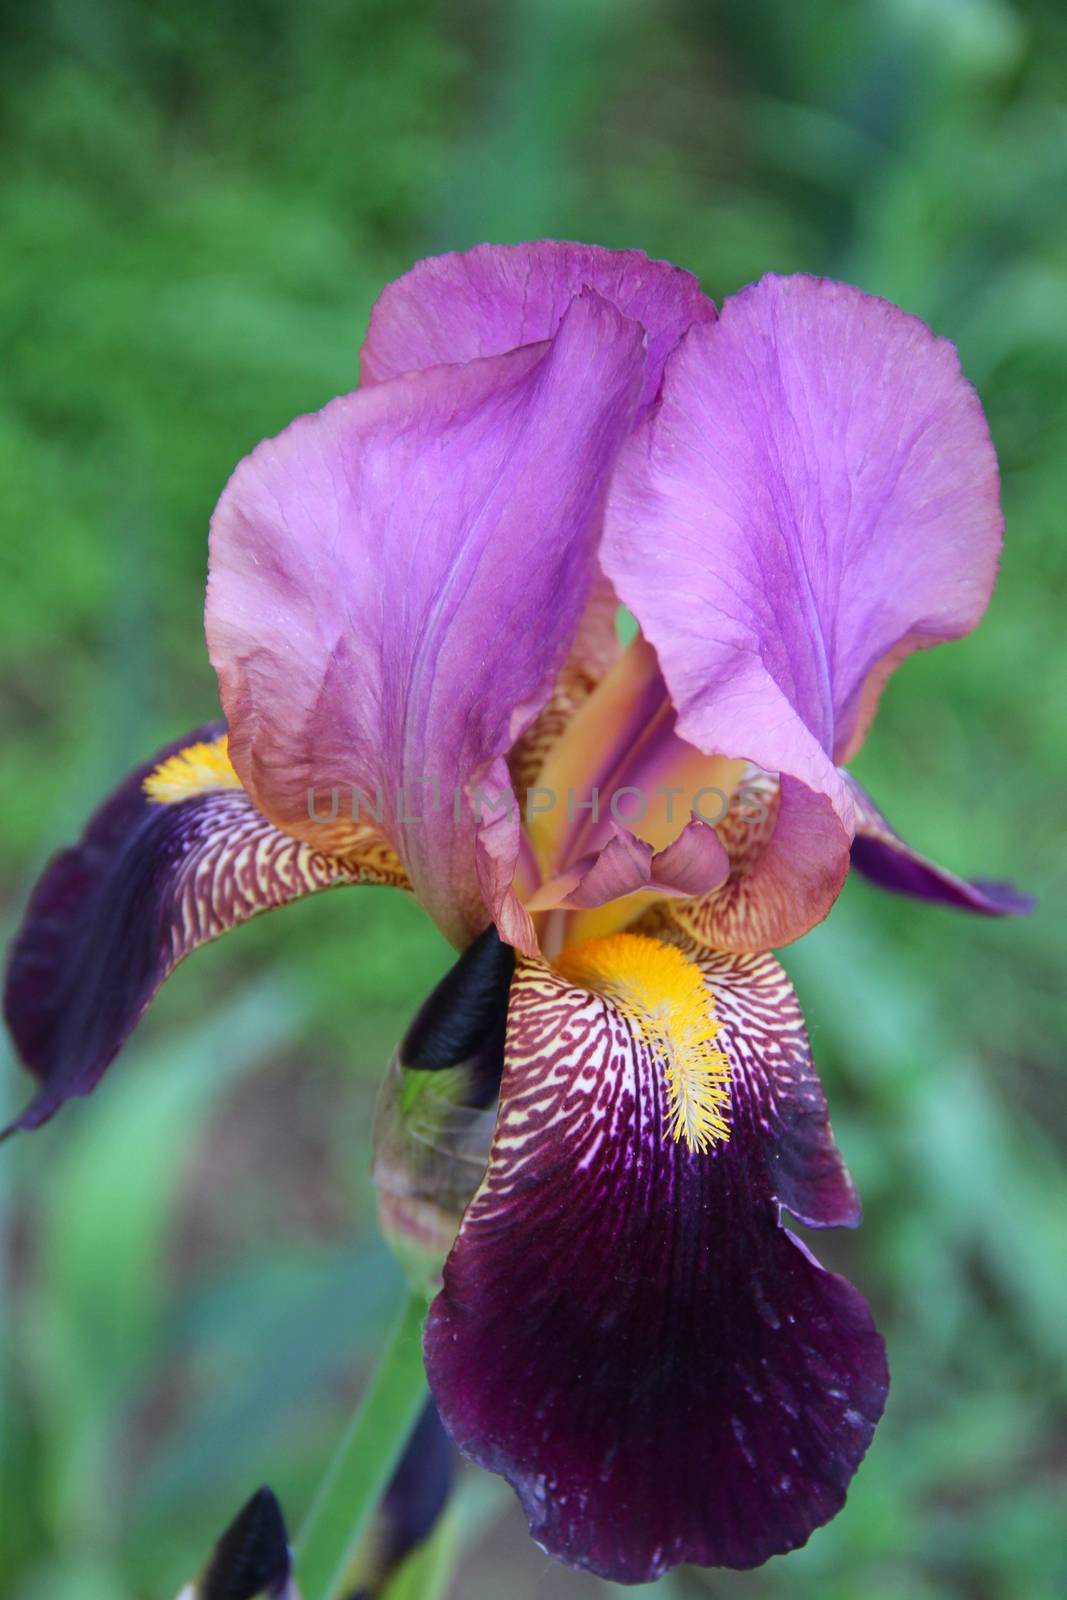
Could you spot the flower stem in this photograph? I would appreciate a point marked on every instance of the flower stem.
(365, 1460)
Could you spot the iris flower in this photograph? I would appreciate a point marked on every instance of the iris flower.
(411, 609)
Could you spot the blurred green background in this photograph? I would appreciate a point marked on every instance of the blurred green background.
(198, 205)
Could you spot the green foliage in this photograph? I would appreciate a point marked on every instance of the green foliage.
(198, 205)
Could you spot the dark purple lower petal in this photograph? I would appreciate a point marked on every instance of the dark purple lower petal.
(149, 881)
(626, 1331)
(881, 855)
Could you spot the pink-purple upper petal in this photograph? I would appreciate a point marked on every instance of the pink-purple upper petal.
(815, 496)
(396, 580)
(493, 298)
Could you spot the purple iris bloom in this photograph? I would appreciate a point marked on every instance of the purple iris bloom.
(411, 609)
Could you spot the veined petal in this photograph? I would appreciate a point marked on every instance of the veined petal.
(879, 853)
(815, 496)
(175, 857)
(396, 581)
(626, 1331)
(495, 297)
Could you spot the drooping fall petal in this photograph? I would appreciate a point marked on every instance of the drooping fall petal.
(815, 496)
(881, 855)
(485, 301)
(626, 1331)
(396, 581)
(175, 857)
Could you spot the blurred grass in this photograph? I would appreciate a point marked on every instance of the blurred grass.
(198, 206)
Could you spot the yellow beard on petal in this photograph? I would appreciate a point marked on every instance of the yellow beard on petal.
(198, 769)
(664, 996)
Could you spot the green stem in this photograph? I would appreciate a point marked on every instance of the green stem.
(365, 1460)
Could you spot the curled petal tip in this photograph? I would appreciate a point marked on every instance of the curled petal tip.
(1003, 899)
(882, 856)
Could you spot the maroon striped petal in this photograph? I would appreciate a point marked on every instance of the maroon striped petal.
(154, 875)
(880, 854)
(776, 883)
(626, 1331)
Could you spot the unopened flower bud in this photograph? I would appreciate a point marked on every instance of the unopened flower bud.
(252, 1560)
(437, 1109)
